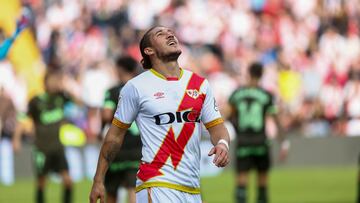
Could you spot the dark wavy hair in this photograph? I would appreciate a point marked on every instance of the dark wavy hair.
(256, 70)
(127, 63)
(145, 42)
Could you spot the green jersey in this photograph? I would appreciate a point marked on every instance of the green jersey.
(47, 112)
(130, 152)
(251, 104)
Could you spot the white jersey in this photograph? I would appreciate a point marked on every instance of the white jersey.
(169, 113)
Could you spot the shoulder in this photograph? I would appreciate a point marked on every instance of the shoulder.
(132, 83)
(140, 79)
(238, 90)
(188, 73)
(195, 80)
(38, 98)
(134, 86)
(237, 94)
(267, 92)
(266, 96)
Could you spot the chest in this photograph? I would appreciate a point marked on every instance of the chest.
(175, 101)
(162, 98)
(49, 110)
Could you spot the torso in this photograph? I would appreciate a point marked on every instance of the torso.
(47, 113)
(251, 105)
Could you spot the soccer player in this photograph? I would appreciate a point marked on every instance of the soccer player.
(7, 128)
(249, 107)
(122, 171)
(47, 113)
(168, 104)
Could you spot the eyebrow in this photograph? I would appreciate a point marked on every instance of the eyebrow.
(168, 30)
(158, 32)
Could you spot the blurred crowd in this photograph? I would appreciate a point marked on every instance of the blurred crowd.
(310, 50)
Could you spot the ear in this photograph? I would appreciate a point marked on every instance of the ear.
(149, 51)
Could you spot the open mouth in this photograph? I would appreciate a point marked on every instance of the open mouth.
(171, 43)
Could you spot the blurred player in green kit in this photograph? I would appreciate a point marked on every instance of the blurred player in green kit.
(249, 108)
(122, 171)
(47, 113)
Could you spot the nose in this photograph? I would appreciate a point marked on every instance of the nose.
(170, 35)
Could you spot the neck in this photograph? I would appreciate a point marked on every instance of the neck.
(48, 92)
(167, 69)
(126, 78)
(254, 82)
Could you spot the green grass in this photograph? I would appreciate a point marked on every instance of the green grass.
(23, 191)
(290, 185)
(287, 185)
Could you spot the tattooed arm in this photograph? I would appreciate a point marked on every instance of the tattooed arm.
(112, 144)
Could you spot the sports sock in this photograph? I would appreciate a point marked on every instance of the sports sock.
(67, 195)
(40, 196)
(240, 194)
(262, 195)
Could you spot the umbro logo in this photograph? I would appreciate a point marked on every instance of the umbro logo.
(193, 93)
(159, 95)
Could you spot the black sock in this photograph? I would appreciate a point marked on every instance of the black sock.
(40, 196)
(240, 194)
(67, 195)
(262, 194)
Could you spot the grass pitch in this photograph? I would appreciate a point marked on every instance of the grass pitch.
(287, 185)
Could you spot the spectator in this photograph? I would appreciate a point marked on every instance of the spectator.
(7, 127)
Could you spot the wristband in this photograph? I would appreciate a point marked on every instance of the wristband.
(224, 142)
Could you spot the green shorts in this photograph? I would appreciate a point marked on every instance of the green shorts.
(253, 157)
(121, 174)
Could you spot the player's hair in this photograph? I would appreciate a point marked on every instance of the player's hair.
(126, 63)
(256, 70)
(145, 42)
(52, 72)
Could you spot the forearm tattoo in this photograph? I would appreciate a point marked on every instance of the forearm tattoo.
(110, 149)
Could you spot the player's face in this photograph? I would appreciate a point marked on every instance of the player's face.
(53, 83)
(165, 44)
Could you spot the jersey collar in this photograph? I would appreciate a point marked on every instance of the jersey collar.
(167, 78)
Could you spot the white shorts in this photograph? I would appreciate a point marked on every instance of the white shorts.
(166, 195)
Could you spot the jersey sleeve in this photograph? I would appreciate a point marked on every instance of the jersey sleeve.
(210, 114)
(232, 99)
(271, 108)
(127, 108)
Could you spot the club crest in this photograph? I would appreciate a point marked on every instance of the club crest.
(193, 93)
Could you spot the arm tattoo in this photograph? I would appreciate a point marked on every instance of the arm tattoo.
(110, 150)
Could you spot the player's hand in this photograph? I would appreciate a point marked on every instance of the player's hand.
(283, 154)
(284, 150)
(221, 152)
(97, 192)
(22, 22)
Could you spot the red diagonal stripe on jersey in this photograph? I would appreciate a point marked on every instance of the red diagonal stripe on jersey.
(171, 146)
(188, 128)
